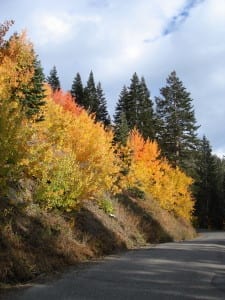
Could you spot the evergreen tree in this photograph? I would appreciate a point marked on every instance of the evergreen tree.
(121, 130)
(137, 106)
(217, 203)
(209, 188)
(91, 102)
(94, 101)
(102, 114)
(120, 106)
(176, 123)
(34, 93)
(146, 118)
(132, 102)
(203, 184)
(53, 79)
(77, 90)
(120, 120)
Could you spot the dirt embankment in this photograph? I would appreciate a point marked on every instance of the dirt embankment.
(34, 242)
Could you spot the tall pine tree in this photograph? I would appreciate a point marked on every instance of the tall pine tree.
(121, 128)
(53, 79)
(91, 102)
(146, 117)
(209, 188)
(135, 103)
(77, 90)
(203, 182)
(94, 101)
(35, 92)
(217, 203)
(132, 102)
(102, 114)
(176, 123)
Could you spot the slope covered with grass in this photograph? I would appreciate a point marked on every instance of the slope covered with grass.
(34, 242)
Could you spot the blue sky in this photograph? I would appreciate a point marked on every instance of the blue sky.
(115, 38)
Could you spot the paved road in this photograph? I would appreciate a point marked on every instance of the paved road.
(187, 270)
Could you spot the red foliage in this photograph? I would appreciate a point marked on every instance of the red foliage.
(66, 100)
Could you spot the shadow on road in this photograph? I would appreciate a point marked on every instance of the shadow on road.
(188, 270)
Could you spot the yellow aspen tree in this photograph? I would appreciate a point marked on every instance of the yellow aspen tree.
(70, 137)
(15, 72)
(154, 175)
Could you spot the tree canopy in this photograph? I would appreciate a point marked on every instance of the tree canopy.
(176, 124)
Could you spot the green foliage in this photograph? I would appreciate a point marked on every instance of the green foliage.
(121, 130)
(91, 101)
(176, 124)
(61, 184)
(203, 184)
(209, 188)
(217, 203)
(106, 205)
(91, 98)
(136, 192)
(135, 106)
(102, 114)
(146, 116)
(53, 80)
(77, 90)
(35, 93)
(120, 107)
(12, 142)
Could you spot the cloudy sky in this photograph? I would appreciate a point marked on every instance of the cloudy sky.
(116, 38)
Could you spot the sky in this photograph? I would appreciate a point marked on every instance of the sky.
(115, 38)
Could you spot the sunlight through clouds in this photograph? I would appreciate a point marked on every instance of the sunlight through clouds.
(54, 29)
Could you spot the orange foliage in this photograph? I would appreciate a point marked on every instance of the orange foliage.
(143, 150)
(16, 66)
(66, 138)
(156, 177)
(16, 71)
(66, 100)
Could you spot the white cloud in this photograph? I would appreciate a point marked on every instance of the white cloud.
(51, 29)
(118, 42)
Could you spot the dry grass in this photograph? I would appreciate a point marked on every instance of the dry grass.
(33, 241)
(158, 224)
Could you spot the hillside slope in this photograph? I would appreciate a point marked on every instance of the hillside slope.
(35, 242)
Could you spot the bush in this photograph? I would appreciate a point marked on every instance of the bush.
(106, 205)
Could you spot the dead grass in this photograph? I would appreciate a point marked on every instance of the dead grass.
(122, 224)
(33, 241)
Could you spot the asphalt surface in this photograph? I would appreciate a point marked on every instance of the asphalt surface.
(188, 270)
